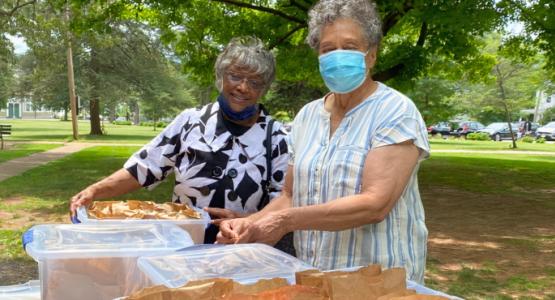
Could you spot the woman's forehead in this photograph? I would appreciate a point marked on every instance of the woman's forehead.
(242, 69)
(342, 29)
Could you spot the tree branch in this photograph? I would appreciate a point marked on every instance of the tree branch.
(389, 73)
(393, 18)
(423, 34)
(286, 36)
(299, 5)
(262, 8)
(10, 13)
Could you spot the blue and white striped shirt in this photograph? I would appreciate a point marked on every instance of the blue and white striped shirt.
(329, 168)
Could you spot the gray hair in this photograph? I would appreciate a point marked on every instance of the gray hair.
(246, 52)
(363, 12)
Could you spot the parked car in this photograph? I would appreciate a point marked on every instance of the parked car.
(547, 131)
(500, 130)
(466, 127)
(442, 128)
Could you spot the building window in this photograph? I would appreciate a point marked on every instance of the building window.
(28, 107)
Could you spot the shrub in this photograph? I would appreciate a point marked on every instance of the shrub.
(528, 139)
(478, 136)
(122, 123)
(151, 124)
(540, 141)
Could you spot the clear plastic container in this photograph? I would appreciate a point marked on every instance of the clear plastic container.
(195, 227)
(26, 291)
(89, 262)
(244, 263)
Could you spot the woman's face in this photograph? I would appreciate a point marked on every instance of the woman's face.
(241, 88)
(346, 34)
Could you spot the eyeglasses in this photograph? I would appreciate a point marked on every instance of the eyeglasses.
(236, 79)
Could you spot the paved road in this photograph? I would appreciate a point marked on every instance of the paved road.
(19, 165)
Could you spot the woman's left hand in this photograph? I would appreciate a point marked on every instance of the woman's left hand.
(219, 214)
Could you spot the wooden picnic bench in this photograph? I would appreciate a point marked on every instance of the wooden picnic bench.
(4, 130)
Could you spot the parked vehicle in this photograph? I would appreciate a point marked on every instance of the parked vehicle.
(500, 130)
(466, 127)
(547, 131)
(442, 128)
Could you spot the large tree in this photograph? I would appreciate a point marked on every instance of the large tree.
(415, 31)
(538, 19)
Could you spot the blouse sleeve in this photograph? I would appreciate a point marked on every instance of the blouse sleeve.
(156, 160)
(280, 158)
(403, 125)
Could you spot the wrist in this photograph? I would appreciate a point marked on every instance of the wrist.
(285, 219)
(92, 191)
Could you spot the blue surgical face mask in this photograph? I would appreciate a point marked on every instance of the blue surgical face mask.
(246, 113)
(343, 71)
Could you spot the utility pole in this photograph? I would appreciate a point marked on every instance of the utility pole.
(71, 82)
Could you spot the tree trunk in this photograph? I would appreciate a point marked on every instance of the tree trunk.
(94, 104)
(136, 114)
(504, 100)
(96, 128)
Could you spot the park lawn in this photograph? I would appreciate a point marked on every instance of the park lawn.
(490, 222)
(61, 131)
(490, 217)
(462, 144)
(20, 150)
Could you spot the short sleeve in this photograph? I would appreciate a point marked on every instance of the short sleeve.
(404, 125)
(280, 158)
(156, 160)
(294, 132)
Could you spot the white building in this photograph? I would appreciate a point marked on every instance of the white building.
(24, 109)
(544, 102)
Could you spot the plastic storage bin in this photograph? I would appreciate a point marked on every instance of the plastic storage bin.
(89, 262)
(25, 291)
(195, 227)
(245, 263)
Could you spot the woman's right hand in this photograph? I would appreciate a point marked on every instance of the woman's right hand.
(234, 231)
(84, 197)
(220, 214)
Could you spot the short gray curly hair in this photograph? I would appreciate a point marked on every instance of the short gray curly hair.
(246, 52)
(363, 12)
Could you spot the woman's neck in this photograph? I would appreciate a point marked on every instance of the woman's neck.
(248, 122)
(342, 103)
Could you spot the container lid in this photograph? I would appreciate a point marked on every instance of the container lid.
(60, 241)
(244, 263)
(83, 217)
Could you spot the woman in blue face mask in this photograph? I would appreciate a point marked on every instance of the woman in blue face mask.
(218, 152)
(351, 192)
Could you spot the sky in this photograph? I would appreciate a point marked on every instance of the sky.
(18, 43)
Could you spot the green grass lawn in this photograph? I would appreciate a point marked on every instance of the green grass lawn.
(485, 193)
(60, 131)
(20, 150)
(500, 174)
(462, 144)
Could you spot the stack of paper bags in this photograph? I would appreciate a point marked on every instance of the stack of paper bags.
(367, 283)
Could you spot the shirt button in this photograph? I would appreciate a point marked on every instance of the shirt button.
(217, 172)
(232, 196)
(205, 191)
(232, 173)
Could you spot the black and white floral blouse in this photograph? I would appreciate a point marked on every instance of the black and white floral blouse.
(212, 166)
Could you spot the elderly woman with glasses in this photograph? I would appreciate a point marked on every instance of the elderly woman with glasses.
(351, 191)
(217, 152)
